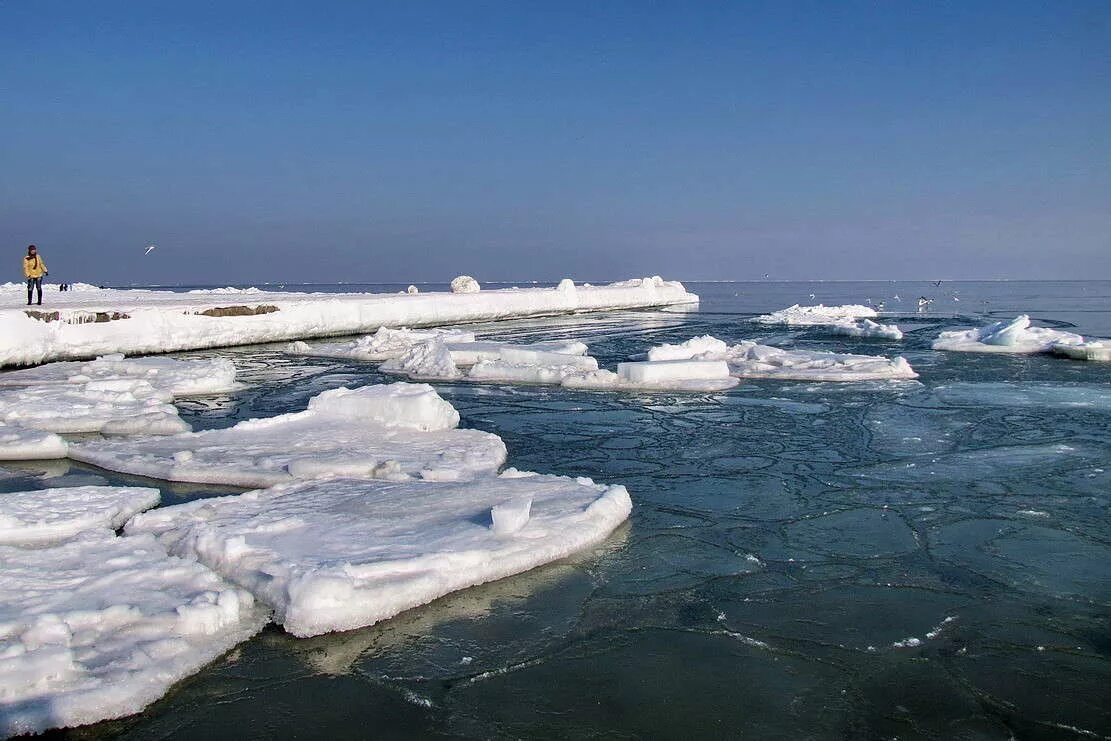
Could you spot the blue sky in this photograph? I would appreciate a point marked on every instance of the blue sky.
(328, 141)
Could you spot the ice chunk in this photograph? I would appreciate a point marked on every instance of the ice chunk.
(100, 627)
(384, 344)
(662, 375)
(339, 554)
(1014, 336)
(49, 515)
(689, 349)
(1089, 350)
(118, 407)
(427, 361)
(866, 328)
(804, 316)
(469, 353)
(1026, 394)
(21, 444)
(170, 375)
(392, 431)
(464, 284)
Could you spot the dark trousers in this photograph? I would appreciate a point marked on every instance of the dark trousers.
(33, 284)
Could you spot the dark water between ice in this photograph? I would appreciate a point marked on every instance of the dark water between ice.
(881, 560)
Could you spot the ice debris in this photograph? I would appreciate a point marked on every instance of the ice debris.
(1014, 336)
(465, 284)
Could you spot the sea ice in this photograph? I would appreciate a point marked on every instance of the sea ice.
(389, 431)
(535, 362)
(429, 361)
(805, 316)
(339, 554)
(657, 375)
(1014, 336)
(50, 515)
(865, 328)
(1089, 350)
(99, 627)
(1025, 394)
(691, 348)
(171, 375)
(465, 284)
(384, 344)
(21, 444)
(120, 406)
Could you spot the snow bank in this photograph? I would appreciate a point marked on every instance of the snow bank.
(114, 407)
(171, 375)
(866, 328)
(1014, 336)
(52, 515)
(339, 554)
(805, 316)
(384, 344)
(140, 322)
(21, 444)
(465, 284)
(394, 431)
(99, 627)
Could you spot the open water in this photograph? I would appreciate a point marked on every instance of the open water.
(925, 559)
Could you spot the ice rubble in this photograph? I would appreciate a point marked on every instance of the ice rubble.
(750, 360)
(121, 406)
(21, 444)
(171, 375)
(1014, 336)
(390, 431)
(805, 316)
(338, 554)
(100, 626)
(659, 375)
(52, 515)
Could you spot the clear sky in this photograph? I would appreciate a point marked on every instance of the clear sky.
(382, 141)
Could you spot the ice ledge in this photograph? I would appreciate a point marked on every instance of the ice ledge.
(160, 321)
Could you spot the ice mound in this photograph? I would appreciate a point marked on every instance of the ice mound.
(99, 627)
(393, 431)
(1089, 350)
(21, 444)
(227, 290)
(439, 360)
(427, 361)
(51, 515)
(120, 406)
(866, 328)
(1014, 336)
(658, 375)
(520, 365)
(469, 353)
(806, 316)
(750, 360)
(384, 344)
(465, 284)
(340, 554)
(171, 375)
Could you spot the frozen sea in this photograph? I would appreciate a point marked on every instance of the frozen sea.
(916, 559)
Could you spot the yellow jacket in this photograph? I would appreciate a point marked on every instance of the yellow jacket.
(33, 267)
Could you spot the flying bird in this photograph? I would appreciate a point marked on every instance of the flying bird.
(812, 297)
(937, 283)
(896, 297)
(150, 249)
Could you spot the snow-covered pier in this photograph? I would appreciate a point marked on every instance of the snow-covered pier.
(87, 323)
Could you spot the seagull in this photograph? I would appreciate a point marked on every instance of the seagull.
(767, 275)
(812, 297)
(924, 303)
(955, 297)
(879, 306)
(937, 283)
(150, 249)
(896, 297)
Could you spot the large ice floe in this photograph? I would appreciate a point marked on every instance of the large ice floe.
(1013, 336)
(338, 554)
(750, 360)
(389, 431)
(100, 626)
(50, 515)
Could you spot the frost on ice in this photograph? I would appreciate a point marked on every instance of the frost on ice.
(338, 554)
(750, 360)
(807, 316)
(50, 515)
(390, 431)
(99, 627)
(1014, 336)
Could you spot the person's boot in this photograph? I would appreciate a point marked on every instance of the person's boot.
(28, 298)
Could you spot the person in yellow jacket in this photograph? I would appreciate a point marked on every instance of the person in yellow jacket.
(33, 270)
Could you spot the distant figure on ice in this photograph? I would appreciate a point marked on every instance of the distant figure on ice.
(33, 270)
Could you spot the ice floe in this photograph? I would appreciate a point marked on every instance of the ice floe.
(100, 626)
(384, 344)
(21, 444)
(122, 406)
(865, 328)
(50, 515)
(171, 375)
(338, 554)
(1014, 336)
(657, 375)
(1025, 394)
(1088, 350)
(465, 284)
(390, 431)
(806, 316)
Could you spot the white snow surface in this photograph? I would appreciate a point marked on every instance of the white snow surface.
(391, 431)
(751, 360)
(1014, 336)
(99, 627)
(164, 321)
(866, 328)
(384, 344)
(21, 444)
(465, 284)
(52, 515)
(805, 316)
(339, 554)
(171, 375)
(120, 406)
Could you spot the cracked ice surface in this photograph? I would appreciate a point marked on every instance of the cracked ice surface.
(343, 553)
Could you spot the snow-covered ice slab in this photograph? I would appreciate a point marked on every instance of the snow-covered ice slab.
(866, 329)
(121, 406)
(86, 324)
(390, 431)
(750, 360)
(21, 444)
(657, 375)
(384, 344)
(806, 316)
(171, 375)
(469, 353)
(538, 362)
(339, 554)
(51, 515)
(530, 366)
(99, 627)
(1088, 350)
(1014, 336)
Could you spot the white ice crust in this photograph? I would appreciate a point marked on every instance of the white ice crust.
(384, 344)
(52, 515)
(805, 316)
(339, 554)
(390, 431)
(1014, 336)
(21, 444)
(866, 328)
(121, 406)
(163, 321)
(750, 360)
(170, 375)
(99, 627)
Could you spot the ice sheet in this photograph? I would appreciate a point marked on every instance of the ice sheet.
(391, 431)
(51, 515)
(804, 316)
(1014, 336)
(339, 554)
(171, 375)
(115, 407)
(100, 627)
(21, 444)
